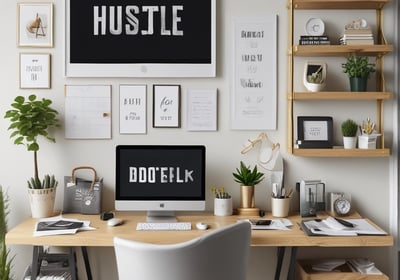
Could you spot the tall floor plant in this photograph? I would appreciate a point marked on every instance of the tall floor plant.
(5, 259)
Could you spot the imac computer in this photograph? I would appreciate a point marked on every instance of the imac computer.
(160, 179)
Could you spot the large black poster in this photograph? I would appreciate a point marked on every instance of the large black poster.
(144, 31)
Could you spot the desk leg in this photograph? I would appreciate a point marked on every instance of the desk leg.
(35, 261)
(280, 255)
(292, 264)
(87, 264)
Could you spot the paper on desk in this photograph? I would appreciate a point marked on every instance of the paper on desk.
(276, 224)
(333, 228)
(74, 223)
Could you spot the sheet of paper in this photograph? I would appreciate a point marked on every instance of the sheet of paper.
(38, 232)
(88, 111)
(202, 110)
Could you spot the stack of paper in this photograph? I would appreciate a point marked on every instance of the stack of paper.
(330, 226)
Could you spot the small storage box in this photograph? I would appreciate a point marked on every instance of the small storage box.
(304, 271)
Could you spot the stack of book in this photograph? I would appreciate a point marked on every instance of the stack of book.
(361, 36)
(314, 40)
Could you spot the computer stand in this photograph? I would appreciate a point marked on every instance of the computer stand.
(161, 217)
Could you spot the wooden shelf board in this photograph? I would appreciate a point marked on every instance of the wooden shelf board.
(340, 4)
(341, 50)
(337, 95)
(341, 152)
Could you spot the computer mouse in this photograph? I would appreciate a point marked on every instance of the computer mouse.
(201, 226)
(114, 222)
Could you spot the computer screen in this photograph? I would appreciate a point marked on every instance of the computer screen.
(160, 179)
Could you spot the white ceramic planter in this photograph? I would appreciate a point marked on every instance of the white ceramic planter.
(223, 206)
(367, 141)
(349, 142)
(42, 202)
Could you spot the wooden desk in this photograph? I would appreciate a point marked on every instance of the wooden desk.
(103, 235)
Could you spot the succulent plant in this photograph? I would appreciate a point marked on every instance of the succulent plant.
(349, 128)
(247, 177)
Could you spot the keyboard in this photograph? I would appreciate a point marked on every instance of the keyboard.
(164, 226)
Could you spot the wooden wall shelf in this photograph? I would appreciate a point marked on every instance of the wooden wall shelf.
(338, 95)
(341, 152)
(339, 4)
(341, 50)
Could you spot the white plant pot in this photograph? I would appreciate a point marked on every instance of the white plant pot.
(42, 202)
(223, 206)
(367, 141)
(349, 142)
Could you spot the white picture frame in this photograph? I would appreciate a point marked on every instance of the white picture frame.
(254, 76)
(202, 110)
(34, 70)
(166, 106)
(132, 109)
(35, 25)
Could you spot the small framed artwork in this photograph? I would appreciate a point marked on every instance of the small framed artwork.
(132, 109)
(314, 132)
(166, 106)
(35, 25)
(34, 70)
(202, 110)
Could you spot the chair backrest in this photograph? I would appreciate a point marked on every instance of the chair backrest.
(218, 255)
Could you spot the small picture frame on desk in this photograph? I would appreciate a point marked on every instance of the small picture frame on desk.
(314, 132)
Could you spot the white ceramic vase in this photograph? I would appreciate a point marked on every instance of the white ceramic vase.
(367, 141)
(349, 142)
(223, 206)
(42, 202)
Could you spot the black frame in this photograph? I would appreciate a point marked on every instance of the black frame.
(321, 143)
(155, 108)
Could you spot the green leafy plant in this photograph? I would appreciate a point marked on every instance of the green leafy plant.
(5, 259)
(220, 193)
(30, 119)
(349, 128)
(358, 67)
(246, 176)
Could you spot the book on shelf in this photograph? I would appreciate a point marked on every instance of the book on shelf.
(358, 31)
(314, 40)
(339, 227)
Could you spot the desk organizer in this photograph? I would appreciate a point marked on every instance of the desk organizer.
(304, 271)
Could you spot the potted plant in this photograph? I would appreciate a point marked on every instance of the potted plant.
(5, 259)
(222, 202)
(30, 119)
(247, 178)
(358, 69)
(349, 131)
(368, 137)
(314, 76)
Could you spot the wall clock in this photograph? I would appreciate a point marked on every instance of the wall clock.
(315, 27)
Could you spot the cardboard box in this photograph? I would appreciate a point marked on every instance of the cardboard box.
(304, 271)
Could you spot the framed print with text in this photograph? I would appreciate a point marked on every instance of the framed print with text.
(35, 25)
(34, 70)
(132, 109)
(314, 132)
(166, 106)
(202, 110)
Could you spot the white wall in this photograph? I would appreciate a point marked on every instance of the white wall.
(368, 180)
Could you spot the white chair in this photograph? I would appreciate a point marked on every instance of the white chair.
(218, 255)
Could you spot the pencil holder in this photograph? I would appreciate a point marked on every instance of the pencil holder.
(280, 207)
(223, 206)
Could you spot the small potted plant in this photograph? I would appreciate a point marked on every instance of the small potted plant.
(247, 178)
(349, 131)
(314, 76)
(368, 137)
(30, 119)
(222, 202)
(358, 69)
